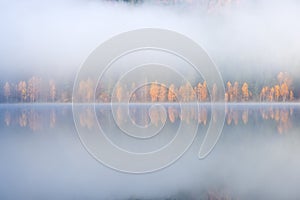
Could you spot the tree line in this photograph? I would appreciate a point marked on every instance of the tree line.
(35, 89)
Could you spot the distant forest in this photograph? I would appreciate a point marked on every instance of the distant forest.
(36, 89)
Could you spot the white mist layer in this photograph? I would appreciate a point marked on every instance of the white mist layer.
(57, 36)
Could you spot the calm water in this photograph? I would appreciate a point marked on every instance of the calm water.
(257, 155)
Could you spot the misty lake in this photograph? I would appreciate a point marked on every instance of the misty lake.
(256, 156)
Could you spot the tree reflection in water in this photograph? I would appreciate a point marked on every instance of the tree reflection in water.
(36, 118)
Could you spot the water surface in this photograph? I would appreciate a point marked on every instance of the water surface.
(257, 155)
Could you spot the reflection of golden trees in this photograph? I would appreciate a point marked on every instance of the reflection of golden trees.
(202, 115)
(52, 118)
(7, 118)
(280, 115)
(86, 118)
(173, 114)
(245, 115)
(34, 120)
(155, 115)
(234, 116)
(23, 119)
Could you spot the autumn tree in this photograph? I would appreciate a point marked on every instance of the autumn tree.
(89, 90)
(119, 92)
(162, 97)
(284, 77)
(197, 90)
(271, 94)
(245, 92)
(185, 92)
(228, 93)
(284, 91)
(133, 96)
(22, 89)
(263, 93)
(214, 93)
(285, 81)
(203, 93)
(200, 91)
(34, 84)
(7, 90)
(81, 90)
(280, 77)
(276, 92)
(85, 90)
(154, 91)
(291, 95)
(172, 93)
(182, 92)
(235, 91)
(52, 90)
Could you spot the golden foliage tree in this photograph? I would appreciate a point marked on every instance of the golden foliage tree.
(34, 86)
(162, 97)
(291, 95)
(284, 91)
(119, 92)
(228, 94)
(172, 93)
(197, 90)
(183, 93)
(133, 97)
(52, 90)
(203, 93)
(245, 92)
(85, 90)
(214, 93)
(235, 91)
(7, 90)
(22, 88)
(200, 91)
(276, 92)
(154, 91)
(271, 94)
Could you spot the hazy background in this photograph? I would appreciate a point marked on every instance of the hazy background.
(55, 37)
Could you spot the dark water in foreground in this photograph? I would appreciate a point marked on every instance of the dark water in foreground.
(257, 156)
